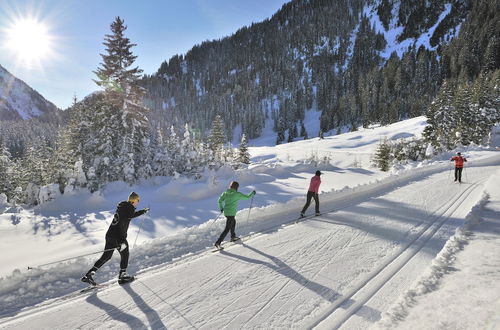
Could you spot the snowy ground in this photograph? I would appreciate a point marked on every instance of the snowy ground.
(408, 249)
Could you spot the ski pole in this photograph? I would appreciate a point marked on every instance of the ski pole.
(465, 172)
(142, 221)
(217, 217)
(250, 209)
(83, 255)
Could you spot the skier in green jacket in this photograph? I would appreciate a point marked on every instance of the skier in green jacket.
(228, 201)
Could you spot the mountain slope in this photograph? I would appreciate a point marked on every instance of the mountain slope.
(18, 101)
(321, 55)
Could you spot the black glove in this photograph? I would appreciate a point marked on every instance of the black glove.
(221, 210)
(254, 192)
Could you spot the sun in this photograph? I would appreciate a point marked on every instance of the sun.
(29, 40)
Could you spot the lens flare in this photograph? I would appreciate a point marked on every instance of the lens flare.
(29, 40)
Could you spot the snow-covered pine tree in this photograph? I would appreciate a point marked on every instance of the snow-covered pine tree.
(161, 162)
(442, 120)
(243, 154)
(60, 166)
(115, 76)
(31, 176)
(483, 105)
(69, 151)
(217, 137)
(189, 153)
(123, 93)
(382, 157)
(174, 151)
(465, 119)
(6, 169)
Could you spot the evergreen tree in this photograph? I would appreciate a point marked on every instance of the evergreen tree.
(174, 152)
(243, 154)
(161, 161)
(217, 137)
(442, 120)
(119, 81)
(382, 157)
(5, 168)
(126, 147)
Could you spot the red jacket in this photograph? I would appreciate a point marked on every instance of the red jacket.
(314, 185)
(459, 161)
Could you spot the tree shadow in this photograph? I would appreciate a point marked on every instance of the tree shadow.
(323, 291)
(360, 171)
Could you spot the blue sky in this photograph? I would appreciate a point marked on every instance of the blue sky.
(75, 29)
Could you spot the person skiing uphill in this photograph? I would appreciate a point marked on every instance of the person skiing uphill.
(459, 166)
(228, 202)
(312, 193)
(116, 238)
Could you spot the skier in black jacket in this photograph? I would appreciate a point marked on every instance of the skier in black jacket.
(116, 238)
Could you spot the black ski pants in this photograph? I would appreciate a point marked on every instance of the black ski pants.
(310, 195)
(111, 244)
(458, 174)
(230, 226)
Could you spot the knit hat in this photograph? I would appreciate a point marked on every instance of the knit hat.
(133, 197)
(318, 173)
(234, 185)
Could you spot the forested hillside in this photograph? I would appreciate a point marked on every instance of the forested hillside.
(358, 62)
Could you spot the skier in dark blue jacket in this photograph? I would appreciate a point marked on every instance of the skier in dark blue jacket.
(116, 238)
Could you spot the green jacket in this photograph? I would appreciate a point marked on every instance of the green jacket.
(228, 201)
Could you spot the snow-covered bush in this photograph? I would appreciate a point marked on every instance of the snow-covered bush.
(48, 192)
(3, 200)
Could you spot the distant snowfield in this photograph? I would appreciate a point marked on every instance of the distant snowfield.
(380, 254)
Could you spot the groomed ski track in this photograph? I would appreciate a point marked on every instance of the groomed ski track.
(340, 270)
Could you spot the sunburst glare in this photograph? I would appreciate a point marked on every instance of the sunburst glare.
(29, 40)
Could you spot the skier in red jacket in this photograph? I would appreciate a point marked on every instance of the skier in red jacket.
(459, 165)
(312, 193)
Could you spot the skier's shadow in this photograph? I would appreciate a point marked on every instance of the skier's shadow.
(323, 291)
(153, 317)
(116, 313)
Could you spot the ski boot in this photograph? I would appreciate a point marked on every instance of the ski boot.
(88, 278)
(125, 278)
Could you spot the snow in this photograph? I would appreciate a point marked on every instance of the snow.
(391, 35)
(406, 249)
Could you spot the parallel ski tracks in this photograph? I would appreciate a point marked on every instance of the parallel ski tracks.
(368, 287)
